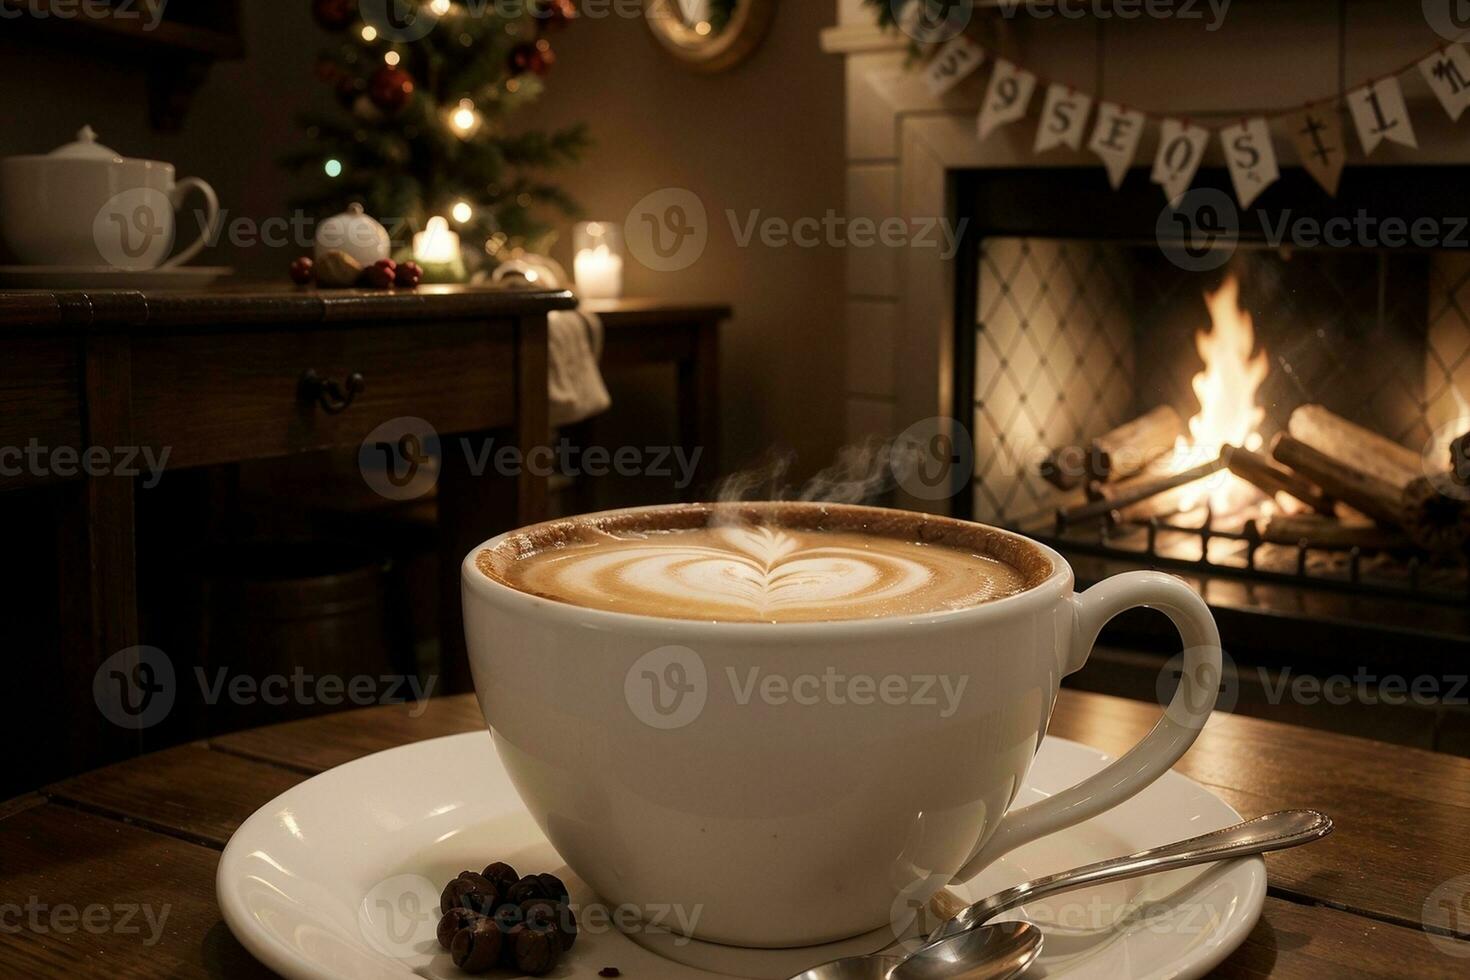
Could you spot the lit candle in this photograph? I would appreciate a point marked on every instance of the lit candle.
(599, 273)
(436, 250)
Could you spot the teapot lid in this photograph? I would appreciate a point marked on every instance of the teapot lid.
(86, 147)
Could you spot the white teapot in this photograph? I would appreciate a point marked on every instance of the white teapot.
(83, 204)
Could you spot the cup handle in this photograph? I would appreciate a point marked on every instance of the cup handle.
(1183, 719)
(211, 203)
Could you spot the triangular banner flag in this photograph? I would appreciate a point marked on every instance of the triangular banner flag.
(956, 61)
(1115, 140)
(1181, 149)
(1063, 118)
(1250, 157)
(1379, 114)
(1007, 96)
(1317, 133)
(1448, 73)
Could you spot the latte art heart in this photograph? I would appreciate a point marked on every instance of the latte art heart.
(766, 574)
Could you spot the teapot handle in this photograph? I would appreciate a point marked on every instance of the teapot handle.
(206, 232)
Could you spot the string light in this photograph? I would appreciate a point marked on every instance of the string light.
(369, 32)
(333, 168)
(461, 212)
(464, 120)
(439, 7)
(391, 57)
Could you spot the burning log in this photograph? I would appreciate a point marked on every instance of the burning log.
(1129, 448)
(1434, 520)
(1352, 445)
(1271, 479)
(1117, 496)
(1317, 531)
(1368, 493)
(1460, 460)
(1114, 455)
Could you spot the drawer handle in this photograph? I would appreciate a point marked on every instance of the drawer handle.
(334, 398)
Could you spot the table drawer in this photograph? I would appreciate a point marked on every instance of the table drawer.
(215, 398)
(40, 409)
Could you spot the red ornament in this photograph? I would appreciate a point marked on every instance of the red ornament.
(303, 271)
(553, 15)
(536, 58)
(381, 274)
(334, 15)
(390, 88)
(409, 275)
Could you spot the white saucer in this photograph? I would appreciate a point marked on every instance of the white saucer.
(108, 277)
(338, 878)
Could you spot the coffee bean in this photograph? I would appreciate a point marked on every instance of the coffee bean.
(502, 876)
(525, 890)
(554, 888)
(477, 949)
(555, 914)
(537, 952)
(454, 920)
(471, 891)
(609, 971)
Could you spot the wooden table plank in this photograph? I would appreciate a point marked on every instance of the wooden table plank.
(189, 792)
(1401, 813)
(86, 887)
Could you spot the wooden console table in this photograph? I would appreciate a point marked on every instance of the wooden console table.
(216, 377)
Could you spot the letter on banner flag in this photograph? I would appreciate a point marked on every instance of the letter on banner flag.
(1251, 158)
(1063, 118)
(1007, 96)
(1317, 133)
(1181, 148)
(1448, 73)
(955, 62)
(1379, 114)
(1115, 140)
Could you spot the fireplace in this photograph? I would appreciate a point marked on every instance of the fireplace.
(1131, 403)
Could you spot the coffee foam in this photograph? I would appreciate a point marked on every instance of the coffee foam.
(773, 562)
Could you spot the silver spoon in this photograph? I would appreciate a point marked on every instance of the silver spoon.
(964, 948)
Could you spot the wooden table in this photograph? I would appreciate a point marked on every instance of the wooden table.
(685, 336)
(220, 376)
(150, 831)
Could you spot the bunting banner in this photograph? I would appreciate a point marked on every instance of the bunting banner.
(1115, 139)
(1006, 98)
(1181, 151)
(1063, 118)
(1316, 131)
(1250, 157)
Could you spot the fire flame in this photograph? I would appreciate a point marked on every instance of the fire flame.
(1226, 389)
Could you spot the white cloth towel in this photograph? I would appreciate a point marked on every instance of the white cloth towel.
(574, 339)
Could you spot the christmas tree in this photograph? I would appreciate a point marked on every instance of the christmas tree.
(425, 91)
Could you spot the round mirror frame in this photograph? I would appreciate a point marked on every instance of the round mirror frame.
(748, 27)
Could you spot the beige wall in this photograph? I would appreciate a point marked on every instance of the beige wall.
(766, 136)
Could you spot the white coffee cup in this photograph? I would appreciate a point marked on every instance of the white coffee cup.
(651, 753)
(85, 205)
